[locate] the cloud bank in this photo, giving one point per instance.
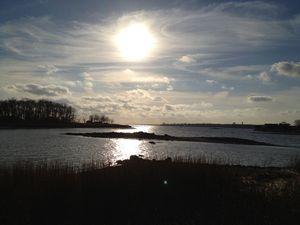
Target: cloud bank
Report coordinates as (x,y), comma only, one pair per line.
(290,69)
(40,90)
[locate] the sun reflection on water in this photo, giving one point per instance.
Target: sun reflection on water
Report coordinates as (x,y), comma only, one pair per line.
(124,148)
(120,149)
(136,128)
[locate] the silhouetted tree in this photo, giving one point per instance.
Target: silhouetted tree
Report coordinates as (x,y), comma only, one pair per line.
(297,122)
(105,119)
(95,118)
(31,110)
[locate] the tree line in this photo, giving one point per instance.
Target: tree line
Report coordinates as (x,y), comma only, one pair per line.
(95,118)
(31,110)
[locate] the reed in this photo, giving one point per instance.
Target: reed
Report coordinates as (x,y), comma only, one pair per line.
(138,191)
(295,163)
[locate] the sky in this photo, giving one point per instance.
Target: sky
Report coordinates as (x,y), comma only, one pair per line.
(208,61)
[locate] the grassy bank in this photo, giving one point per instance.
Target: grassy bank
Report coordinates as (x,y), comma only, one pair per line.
(182,191)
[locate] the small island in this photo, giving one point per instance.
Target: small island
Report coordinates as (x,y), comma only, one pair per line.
(152,136)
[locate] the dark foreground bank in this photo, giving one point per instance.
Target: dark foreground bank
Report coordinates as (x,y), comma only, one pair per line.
(148,192)
(152,136)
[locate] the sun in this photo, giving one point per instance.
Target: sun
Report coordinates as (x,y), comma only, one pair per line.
(135,42)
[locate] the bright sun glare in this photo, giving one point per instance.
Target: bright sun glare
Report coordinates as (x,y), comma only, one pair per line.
(135,42)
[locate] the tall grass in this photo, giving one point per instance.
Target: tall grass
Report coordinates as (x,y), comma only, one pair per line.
(295,163)
(178,191)
(202,159)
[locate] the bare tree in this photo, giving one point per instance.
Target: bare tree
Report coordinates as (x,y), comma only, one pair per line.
(100,119)
(30,110)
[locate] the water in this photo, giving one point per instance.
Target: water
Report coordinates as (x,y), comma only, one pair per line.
(53,145)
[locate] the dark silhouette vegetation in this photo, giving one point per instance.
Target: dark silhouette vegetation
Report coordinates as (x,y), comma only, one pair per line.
(295,163)
(213,125)
(151,136)
(95,118)
(282,128)
(30,110)
(29,113)
(137,191)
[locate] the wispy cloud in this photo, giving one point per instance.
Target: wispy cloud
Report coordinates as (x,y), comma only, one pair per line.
(211,81)
(187,59)
(260,8)
(48,69)
(206,62)
(131,76)
(233,72)
(264,77)
(222,27)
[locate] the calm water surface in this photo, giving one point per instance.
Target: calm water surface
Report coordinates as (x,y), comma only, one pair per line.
(52,144)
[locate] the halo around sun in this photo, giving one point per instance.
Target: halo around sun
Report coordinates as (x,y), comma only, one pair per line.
(135,42)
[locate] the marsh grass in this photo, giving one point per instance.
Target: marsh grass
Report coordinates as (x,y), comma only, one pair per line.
(202,159)
(137,191)
(295,163)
